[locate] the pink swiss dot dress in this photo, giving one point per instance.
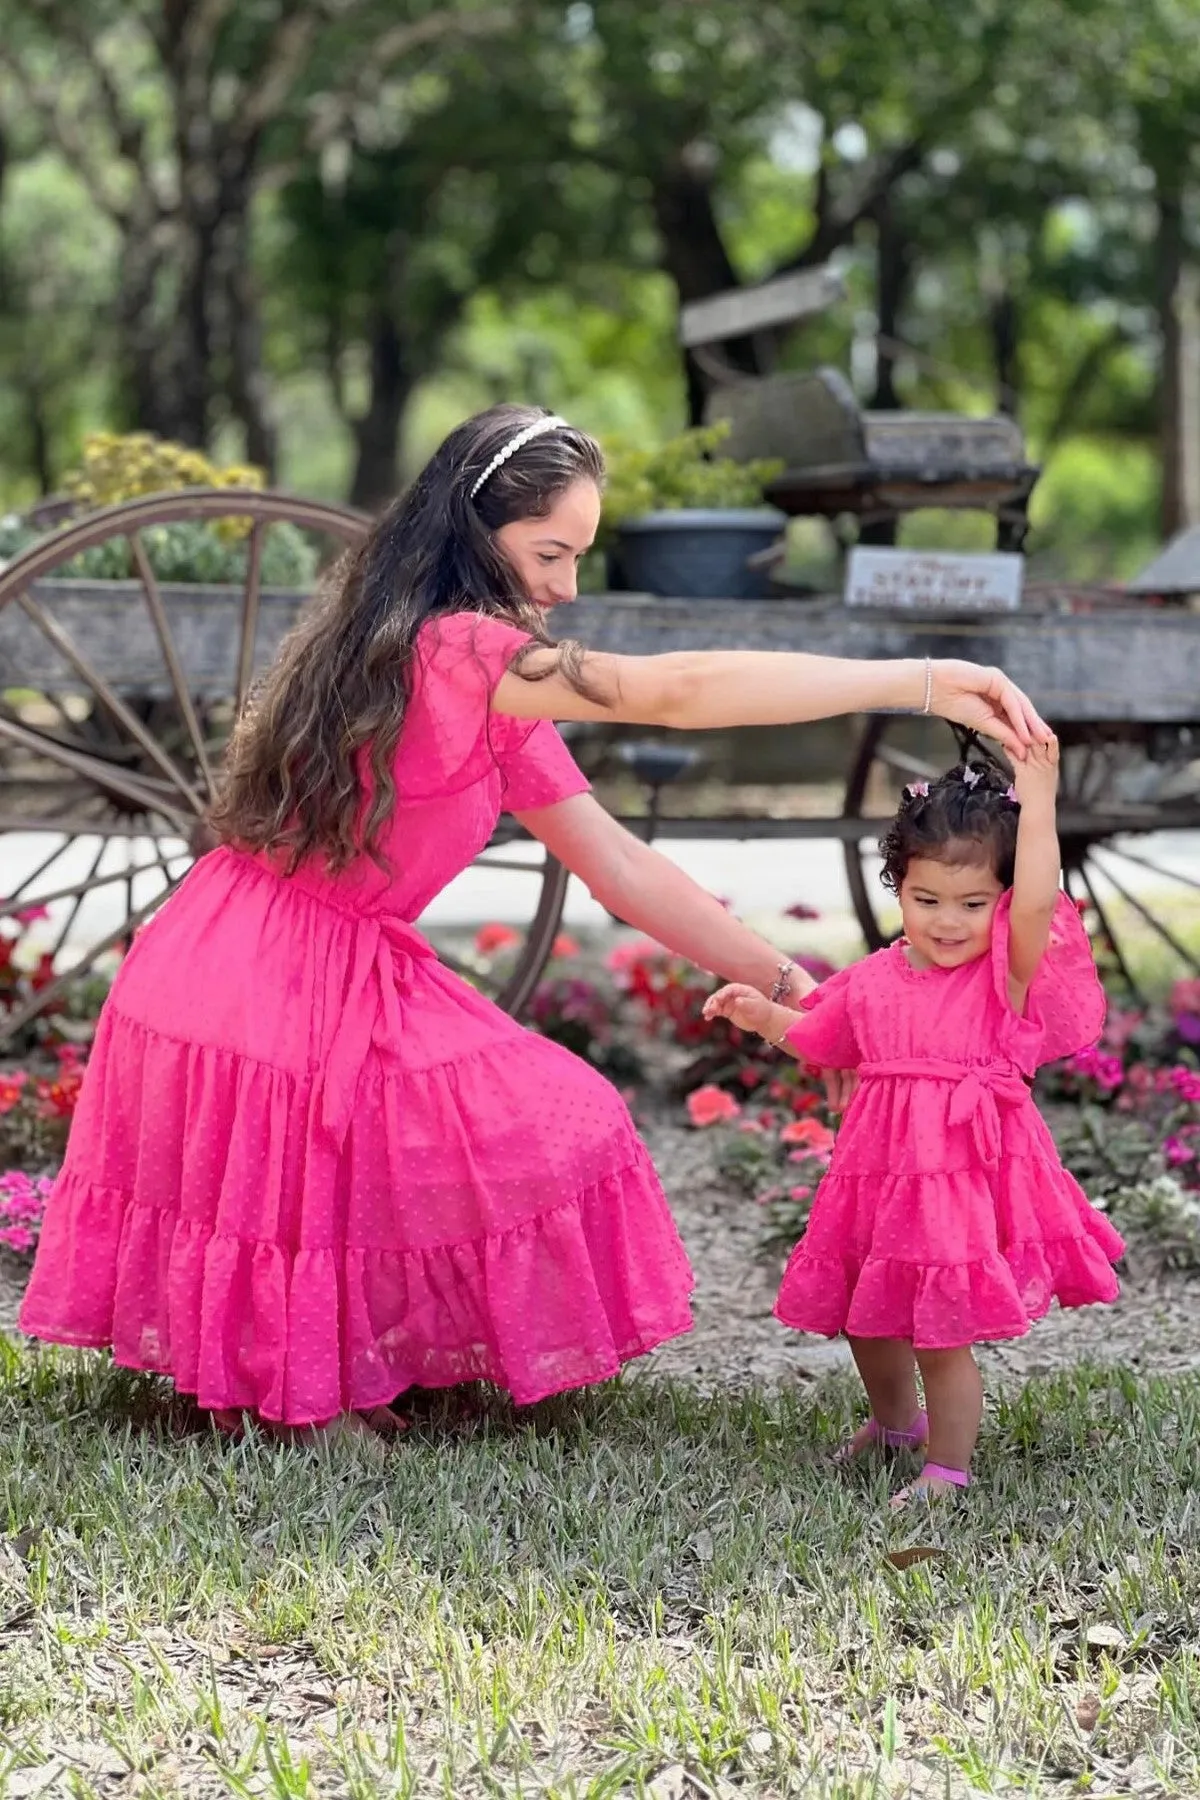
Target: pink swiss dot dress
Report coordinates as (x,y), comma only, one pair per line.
(312,1167)
(946,1216)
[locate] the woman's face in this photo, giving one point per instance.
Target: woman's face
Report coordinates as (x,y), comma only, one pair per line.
(546,552)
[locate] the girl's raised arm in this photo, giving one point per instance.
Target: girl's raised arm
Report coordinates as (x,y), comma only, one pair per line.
(1038,865)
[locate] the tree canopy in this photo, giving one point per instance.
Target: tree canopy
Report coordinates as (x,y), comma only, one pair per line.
(317,231)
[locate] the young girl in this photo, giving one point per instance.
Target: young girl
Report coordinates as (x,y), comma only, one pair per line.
(946,1218)
(311,1167)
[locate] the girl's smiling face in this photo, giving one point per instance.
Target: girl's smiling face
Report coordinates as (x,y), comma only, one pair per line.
(947,909)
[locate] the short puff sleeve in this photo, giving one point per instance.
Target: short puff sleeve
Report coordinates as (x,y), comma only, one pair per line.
(825,1036)
(1065,1003)
(463,656)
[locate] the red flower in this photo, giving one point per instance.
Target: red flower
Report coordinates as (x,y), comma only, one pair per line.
(564,945)
(490,939)
(749,1076)
(711,1106)
(43,975)
(11,1087)
(815,1137)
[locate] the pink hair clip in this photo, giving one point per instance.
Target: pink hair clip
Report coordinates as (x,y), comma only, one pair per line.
(1010,794)
(972,777)
(917,789)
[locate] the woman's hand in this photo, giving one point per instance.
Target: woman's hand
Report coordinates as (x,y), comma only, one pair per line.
(986,701)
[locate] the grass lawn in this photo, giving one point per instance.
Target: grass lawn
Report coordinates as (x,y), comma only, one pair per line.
(633,1592)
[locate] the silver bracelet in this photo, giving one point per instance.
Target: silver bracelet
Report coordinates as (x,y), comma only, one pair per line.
(928,706)
(782,982)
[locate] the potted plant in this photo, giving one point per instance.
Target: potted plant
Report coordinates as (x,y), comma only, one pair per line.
(685,522)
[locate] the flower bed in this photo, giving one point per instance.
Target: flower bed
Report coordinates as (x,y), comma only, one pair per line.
(1126,1114)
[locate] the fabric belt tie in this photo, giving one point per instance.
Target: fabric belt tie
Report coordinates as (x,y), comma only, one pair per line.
(386,949)
(979,1093)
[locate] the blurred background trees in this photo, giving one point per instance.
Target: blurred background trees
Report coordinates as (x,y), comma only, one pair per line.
(314,233)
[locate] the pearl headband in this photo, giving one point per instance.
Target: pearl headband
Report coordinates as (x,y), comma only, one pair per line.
(538,429)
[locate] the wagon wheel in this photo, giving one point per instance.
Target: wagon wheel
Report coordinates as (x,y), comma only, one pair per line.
(1119,783)
(117,698)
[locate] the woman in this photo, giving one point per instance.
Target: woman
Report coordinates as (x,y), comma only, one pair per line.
(310,1166)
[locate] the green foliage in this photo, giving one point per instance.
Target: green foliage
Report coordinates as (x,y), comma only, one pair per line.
(195,551)
(683,472)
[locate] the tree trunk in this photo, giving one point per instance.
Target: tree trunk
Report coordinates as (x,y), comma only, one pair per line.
(39,437)
(893,274)
(694,255)
(1178,296)
(377,432)
(240,319)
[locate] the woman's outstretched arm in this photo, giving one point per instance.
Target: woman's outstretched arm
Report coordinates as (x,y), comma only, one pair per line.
(649,892)
(710,689)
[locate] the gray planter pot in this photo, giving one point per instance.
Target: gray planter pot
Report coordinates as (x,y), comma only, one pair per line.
(695,555)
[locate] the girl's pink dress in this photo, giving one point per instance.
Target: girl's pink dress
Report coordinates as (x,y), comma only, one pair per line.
(946,1217)
(312,1167)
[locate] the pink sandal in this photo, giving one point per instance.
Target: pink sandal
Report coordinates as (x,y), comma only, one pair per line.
(886,1437)
(920,1490)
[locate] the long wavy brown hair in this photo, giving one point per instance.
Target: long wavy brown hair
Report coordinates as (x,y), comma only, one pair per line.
(343,676)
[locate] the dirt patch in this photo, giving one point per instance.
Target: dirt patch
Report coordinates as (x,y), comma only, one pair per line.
(1154,1328)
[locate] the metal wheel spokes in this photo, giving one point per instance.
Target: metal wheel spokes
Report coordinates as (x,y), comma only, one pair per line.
(512,882)
(118,697)
(1116,784)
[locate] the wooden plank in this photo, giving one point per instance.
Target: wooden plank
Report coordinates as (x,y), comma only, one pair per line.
(1140,664)
(739,311)
(1137,664)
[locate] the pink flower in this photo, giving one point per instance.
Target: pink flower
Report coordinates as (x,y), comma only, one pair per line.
(800,1193)
(711,1106)
(749,1076)
(753,1127)
(490,939)
(816,1138)
(22,1206)
(30,915)
(1185,1081)
(623,958)
(1177,1150)
(564,945)
(1108,1072)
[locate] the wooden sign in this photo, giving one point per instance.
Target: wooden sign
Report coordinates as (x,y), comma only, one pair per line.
(920,581)
(740,311)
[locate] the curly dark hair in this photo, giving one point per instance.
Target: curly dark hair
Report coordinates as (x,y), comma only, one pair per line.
(342,677)
(967,815)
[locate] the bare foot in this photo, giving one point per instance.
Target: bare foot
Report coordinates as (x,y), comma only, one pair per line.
(374,1422)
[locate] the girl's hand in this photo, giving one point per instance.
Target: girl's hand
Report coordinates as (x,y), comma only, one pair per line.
(1037,777)
(743,1006)
(985,700)
(841,1085)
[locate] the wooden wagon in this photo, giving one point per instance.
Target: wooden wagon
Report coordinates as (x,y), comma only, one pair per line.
(116,697)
